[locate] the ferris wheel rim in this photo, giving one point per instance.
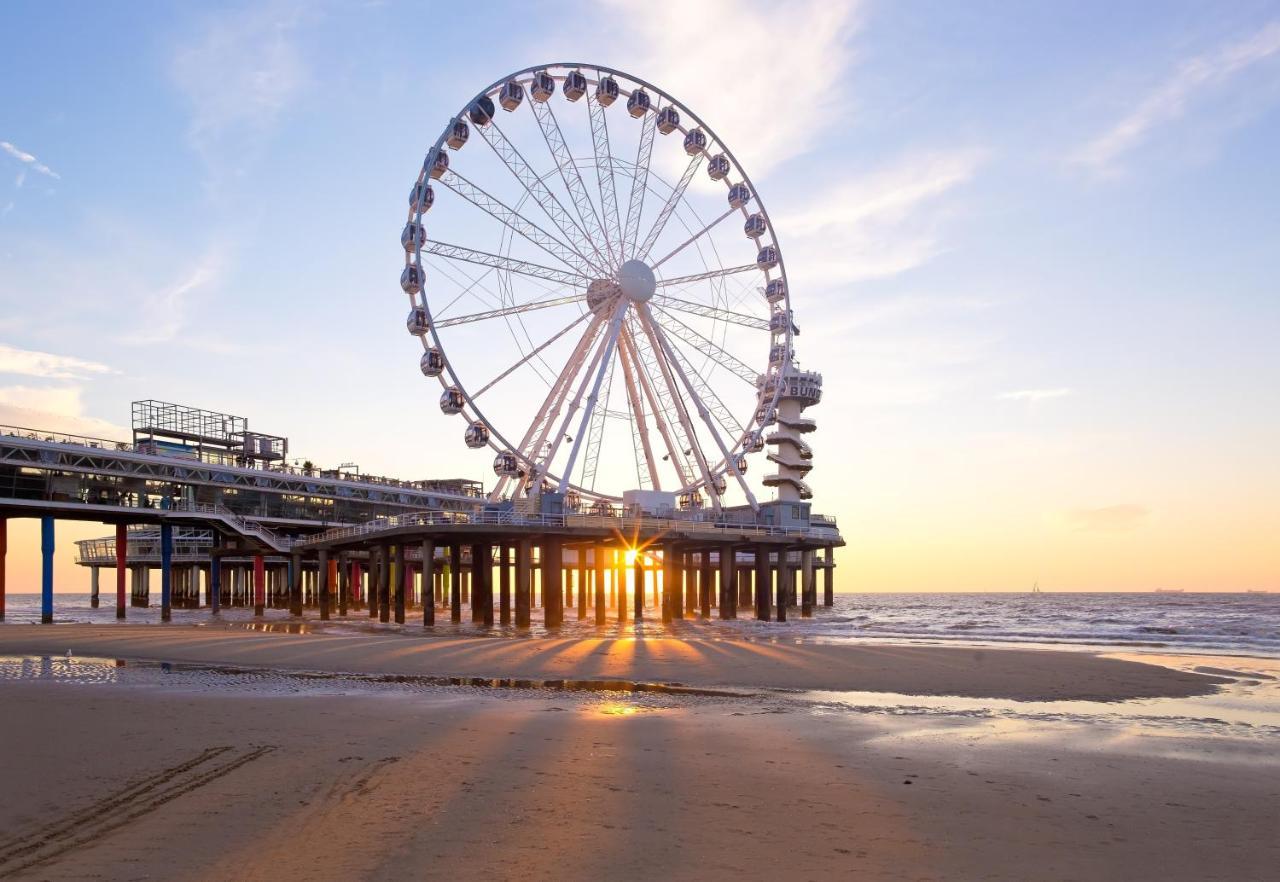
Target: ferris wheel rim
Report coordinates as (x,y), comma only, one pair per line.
(473,413)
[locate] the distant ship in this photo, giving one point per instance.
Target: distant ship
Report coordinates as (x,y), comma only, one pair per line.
(1170,590)
(1035,589)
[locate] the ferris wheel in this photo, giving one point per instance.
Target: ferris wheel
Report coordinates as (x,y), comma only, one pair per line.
(599,290)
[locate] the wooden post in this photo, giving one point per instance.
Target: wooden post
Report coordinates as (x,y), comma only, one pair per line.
(403,582)
(259,585)
(828,579)
(582,582)
(455,583)
(705,578)
(325,576)
(344,583)
(638,588)
(620,583)
(215,581)
(808,587)
(597,579)
(763,583)
(504,584)
(728,582)
(524,550)
(384,583)
(295,585)
(482,581)
(670,579)
(428,582)
(552,581)
(785,583)
(371,596)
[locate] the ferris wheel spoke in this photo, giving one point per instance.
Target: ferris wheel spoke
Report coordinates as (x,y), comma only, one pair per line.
(646,370)
(586,209)
(536,435)
(517,222)
(606,360)
(694,238)
(533,352)
(706,346)
(703,413)
(506,264)
(464,290)
(639,181)
(595,433)
(604,176)
(708,275)
(733,429)
(532,183)
(682,414)
(669,206)
(598,363)
(639,431)
(510,310)
(669,303)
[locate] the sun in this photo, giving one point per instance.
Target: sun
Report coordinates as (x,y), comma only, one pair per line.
(631,556)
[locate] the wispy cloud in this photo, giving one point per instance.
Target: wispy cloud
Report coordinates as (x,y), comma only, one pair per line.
(166,309)
(1169,101)
(30,160)
(1032,396)
(53,409)
(238,74)
(710,54)
(1109,518)
(32,363)
(876,225)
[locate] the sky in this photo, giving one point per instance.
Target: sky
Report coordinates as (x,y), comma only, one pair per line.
(1033,249)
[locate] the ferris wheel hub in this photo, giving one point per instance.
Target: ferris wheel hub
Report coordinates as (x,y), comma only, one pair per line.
(637,281)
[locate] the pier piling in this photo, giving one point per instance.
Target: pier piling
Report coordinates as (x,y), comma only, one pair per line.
(428,582)
(166,572)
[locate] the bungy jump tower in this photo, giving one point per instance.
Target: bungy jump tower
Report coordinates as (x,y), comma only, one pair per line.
(601,297)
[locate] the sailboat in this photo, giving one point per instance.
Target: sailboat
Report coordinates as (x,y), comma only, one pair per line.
(1035,589)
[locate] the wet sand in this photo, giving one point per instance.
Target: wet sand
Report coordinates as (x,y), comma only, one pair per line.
(151,772)
(1029,675)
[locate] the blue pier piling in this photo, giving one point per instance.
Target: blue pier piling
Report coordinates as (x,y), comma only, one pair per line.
(166,572)
(46,576)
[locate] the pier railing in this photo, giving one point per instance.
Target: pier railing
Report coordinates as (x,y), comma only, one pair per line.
(624,524)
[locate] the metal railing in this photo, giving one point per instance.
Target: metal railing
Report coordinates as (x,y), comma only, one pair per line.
(244,525)
(623,524)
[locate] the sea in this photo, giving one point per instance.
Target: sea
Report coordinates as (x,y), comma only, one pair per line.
(1203,623)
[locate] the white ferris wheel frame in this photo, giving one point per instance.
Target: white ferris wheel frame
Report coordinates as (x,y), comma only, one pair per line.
(625,334)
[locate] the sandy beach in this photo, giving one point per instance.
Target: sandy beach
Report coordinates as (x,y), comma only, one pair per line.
(197,772)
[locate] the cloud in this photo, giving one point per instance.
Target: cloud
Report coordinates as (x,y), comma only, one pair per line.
(875,225)
(1108,519)
(47,365)
(1032,396)
(240,72)
(166,309)
(738,63)
(53,409)
(25,157)
(1169,101)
